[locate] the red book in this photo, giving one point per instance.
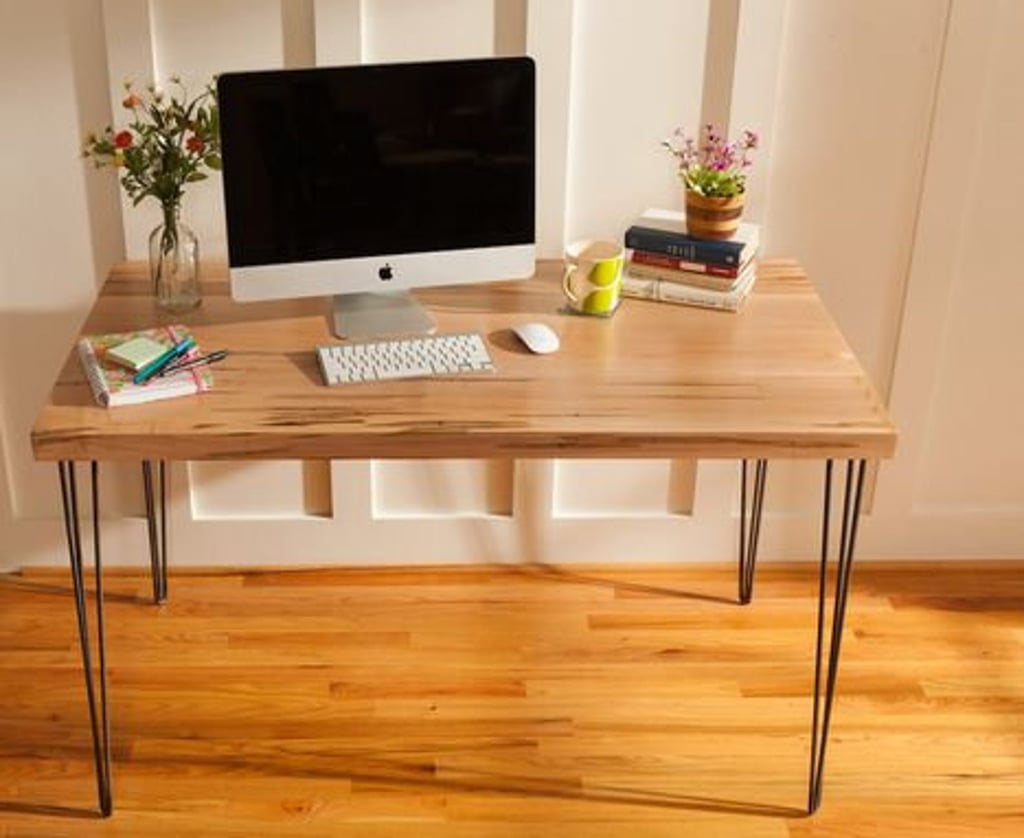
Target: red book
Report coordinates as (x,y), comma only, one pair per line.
(659,260)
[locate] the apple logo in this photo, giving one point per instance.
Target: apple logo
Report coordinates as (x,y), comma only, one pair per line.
(385,273)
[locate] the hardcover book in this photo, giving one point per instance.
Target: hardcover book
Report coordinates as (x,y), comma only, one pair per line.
(660,260)
(664,232)
(645,288)
(692,278)
(112,383)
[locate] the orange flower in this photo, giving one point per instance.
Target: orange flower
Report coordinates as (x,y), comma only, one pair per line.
(195,145)
(131,101)
(123,139)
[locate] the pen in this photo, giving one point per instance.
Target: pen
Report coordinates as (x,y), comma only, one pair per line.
(152,368)
(202,361)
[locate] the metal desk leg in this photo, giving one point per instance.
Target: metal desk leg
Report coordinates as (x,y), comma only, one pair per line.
(822,716)
(749,537)
(157,527)
(98,718)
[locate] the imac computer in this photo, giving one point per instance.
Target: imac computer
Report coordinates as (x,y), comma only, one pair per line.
(366,181)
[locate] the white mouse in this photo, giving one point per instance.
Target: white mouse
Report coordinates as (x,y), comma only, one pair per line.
(537,337)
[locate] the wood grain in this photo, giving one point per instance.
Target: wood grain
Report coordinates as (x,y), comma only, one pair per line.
(775,380)
(518,701)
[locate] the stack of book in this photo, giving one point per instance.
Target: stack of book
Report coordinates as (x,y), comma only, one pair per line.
(669,265)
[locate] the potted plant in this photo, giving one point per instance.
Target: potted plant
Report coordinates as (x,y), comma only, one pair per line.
(714,175)
(172,140)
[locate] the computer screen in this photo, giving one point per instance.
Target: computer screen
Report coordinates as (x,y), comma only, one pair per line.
(378,178)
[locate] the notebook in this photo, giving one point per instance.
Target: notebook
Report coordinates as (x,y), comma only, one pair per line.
(111,382)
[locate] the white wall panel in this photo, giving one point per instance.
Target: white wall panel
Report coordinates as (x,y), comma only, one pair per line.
(854,111)
(411,30)
(198,39)
(453,488)
(636,75)
(973,447)
(845,160)
(951,490)
(549,41)
(623,488)
(338,26)
(274,490)
(130,58)
(59,220)
(753,102)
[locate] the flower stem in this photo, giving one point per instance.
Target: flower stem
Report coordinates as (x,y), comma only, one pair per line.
(169,236)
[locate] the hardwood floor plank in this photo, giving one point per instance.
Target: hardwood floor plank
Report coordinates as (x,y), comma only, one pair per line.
(522,701)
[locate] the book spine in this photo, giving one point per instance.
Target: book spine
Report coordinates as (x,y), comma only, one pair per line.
(695,280)
(719,304)
(706,251)
(659,260)
(94,373)
(655,289)
(641,289)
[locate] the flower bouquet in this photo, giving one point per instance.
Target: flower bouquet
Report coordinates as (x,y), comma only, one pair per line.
(172,139)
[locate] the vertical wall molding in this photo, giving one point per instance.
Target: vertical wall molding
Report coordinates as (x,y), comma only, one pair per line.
(298,33)
(939,237)
(509,27)
(338,32)
(549,39)
(754,100)
(131,55)
(720,55)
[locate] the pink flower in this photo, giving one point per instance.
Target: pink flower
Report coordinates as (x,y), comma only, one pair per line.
(709,163)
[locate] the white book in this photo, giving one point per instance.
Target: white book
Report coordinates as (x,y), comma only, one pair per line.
(648,288)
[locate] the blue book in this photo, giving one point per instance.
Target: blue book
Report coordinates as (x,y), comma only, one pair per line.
(664,232)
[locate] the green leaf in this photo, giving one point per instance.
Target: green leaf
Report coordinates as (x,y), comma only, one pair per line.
(192,178)
(213,161)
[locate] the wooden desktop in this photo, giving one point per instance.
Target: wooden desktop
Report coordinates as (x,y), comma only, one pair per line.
(776,380)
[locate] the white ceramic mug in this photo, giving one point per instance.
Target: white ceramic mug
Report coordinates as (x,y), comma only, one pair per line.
(592,277)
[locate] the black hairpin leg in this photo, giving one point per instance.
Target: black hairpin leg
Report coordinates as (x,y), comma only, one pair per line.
(95,688)
(749,535)
(157,526)
(822,715)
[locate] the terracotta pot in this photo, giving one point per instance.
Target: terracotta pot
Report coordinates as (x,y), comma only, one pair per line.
(713,218)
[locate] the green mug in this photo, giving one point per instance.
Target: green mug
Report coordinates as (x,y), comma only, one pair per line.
(592,278)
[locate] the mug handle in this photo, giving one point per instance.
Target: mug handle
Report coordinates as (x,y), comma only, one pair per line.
(570,269)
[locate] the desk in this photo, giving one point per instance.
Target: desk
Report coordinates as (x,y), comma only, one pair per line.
(776,380)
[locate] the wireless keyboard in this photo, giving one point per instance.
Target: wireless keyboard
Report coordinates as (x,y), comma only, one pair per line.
(386,360)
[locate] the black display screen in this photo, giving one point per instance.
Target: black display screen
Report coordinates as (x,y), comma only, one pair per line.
(346,162)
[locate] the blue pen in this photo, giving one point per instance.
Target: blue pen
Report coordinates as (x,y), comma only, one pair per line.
(153,367)
(192,363)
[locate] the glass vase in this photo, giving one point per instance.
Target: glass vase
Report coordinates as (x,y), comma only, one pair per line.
(174,264)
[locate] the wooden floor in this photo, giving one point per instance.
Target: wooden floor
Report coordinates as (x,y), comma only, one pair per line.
(518,702)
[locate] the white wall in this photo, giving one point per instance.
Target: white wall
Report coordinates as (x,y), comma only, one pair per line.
(887,169)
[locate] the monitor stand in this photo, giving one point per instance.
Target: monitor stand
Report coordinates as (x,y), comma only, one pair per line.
(365,316)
